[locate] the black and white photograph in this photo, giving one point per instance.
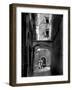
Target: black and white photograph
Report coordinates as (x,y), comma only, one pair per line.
(40,44)
(42,37)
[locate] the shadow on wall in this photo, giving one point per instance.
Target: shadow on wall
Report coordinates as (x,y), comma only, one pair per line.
(57,53)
